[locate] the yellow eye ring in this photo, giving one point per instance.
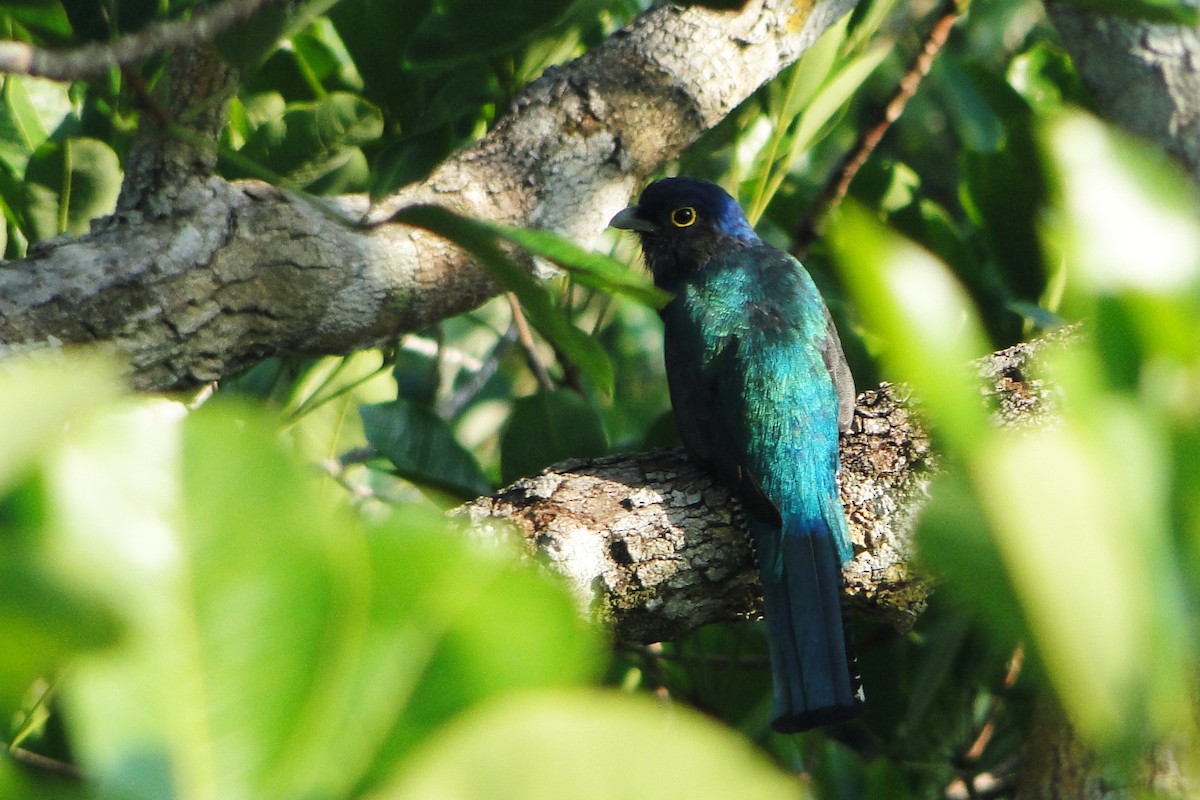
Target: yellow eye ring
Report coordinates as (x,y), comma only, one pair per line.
(683,217)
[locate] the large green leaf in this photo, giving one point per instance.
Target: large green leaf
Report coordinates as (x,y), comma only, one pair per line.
(68,184)
(585,745)
(422,448)
(478,625)
(548,427)
(278,649)
(480,240)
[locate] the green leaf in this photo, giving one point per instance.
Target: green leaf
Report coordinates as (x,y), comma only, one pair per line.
(31,109)
(245,45)
(46,393)
(477,623)
(1127,214)
(1165,11)
(583,745)
(589,267)
(46,621)
(314,139)
(422,448)
(453,33)
(1079,516)
(1004,195)
(546,428)
(480,240)
(22,783)
(68,184)
(834,94)
(913,303)
(278,649)
(976,122)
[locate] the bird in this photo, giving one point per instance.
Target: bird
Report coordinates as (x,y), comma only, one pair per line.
(761,391)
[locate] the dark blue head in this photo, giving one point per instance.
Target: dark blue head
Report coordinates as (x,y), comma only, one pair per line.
(682,223)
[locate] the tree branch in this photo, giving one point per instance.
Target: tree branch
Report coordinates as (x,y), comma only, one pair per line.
(232,273)
(93,59)
(1143,75)
(654,545)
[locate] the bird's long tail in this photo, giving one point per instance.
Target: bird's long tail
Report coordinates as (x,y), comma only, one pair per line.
(815,675)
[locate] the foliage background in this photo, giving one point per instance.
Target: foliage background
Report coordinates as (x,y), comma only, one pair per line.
(189,611)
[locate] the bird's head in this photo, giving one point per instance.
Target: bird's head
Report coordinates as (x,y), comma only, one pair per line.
(682,223)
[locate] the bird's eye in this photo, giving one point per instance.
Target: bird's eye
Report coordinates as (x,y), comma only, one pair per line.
(683,217)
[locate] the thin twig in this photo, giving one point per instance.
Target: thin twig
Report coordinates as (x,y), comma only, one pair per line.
(525,337)
(19,58)
(43,763)
(459,399)
(835,189)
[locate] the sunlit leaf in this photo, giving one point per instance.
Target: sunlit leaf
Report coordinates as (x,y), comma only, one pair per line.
(1088,563)
(923,316)
(45,393)
(1129,216)
(587,745)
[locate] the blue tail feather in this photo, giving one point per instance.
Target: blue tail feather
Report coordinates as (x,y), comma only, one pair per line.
(816,678)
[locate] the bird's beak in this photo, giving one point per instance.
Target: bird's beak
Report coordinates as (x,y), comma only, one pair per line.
(628,219)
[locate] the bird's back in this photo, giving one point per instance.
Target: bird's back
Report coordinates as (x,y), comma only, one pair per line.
(764,400)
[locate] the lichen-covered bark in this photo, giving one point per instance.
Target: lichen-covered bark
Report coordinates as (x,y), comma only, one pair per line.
(654,545)
(195,278)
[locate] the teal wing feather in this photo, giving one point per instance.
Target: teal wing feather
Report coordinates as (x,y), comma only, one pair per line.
(764,409)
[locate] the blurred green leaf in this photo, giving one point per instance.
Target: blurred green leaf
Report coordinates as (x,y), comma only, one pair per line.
(978,125)
(480,240)
(1128,219)
(485,625)
(19,783)
(1089,565)
(68,184)
(587,745)
(1003,195)
(41,395)
(1045,77)
(46,621)
(422,448)
(930,330)
(548,427)
(277,649)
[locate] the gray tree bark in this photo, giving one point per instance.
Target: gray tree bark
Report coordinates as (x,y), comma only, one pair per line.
(1143,76)
(201,277)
